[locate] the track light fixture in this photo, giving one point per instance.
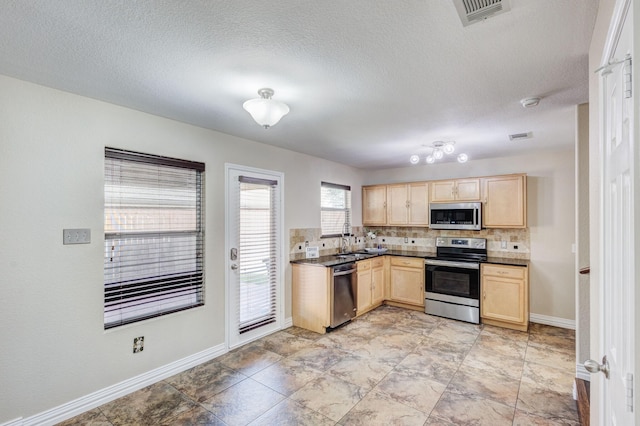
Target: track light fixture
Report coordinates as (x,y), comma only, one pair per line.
(438,150)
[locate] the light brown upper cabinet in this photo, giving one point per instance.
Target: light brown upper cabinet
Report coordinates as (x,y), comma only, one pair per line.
(374,205)
(446,191)
(408,204)
(505,201)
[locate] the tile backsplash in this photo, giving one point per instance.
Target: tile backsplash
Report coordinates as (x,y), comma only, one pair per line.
(410,239)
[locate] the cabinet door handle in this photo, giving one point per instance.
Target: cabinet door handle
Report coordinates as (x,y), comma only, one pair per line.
(484,295)
(502,272)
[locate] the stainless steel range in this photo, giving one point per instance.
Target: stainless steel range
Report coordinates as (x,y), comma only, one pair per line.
(452,279)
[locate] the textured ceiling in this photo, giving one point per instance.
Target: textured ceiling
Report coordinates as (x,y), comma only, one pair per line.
(369,82)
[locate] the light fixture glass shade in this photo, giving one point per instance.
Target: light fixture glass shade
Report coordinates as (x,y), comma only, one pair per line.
(448,148)
(264,110)
(439,150)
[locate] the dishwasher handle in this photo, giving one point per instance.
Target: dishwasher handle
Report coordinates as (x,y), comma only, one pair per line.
(340,273)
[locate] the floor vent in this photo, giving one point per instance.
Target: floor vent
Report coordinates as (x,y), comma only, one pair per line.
(520,136)
(472,11)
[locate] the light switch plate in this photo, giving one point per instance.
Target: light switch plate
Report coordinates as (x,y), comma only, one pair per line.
(76,236)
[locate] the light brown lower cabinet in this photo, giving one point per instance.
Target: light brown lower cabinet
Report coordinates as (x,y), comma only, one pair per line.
(311,297)
(370,276)
(377,281)
(407,280)
(398,281)
(505,296)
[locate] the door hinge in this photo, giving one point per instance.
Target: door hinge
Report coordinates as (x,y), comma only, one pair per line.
(626,73)
(629,392)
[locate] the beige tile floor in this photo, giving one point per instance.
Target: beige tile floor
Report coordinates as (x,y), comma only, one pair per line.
(390,366)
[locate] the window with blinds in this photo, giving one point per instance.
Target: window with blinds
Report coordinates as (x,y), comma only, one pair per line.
(154,236)
(257,253)
(335,209)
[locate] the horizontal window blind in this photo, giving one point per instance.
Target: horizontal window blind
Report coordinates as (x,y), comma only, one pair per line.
(154,236)
(335,209)
(257,253)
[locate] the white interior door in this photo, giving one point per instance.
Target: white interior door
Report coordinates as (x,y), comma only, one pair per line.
(254,274)
(617,269)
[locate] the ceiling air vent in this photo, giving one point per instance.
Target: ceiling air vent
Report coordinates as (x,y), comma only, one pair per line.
(520,136)
(472,11)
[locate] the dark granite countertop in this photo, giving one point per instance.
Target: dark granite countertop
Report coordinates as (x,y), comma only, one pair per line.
(333,260)
(507,261)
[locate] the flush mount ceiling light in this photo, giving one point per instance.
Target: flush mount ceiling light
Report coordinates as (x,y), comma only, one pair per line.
(439,150)
(530,102)
(264,110)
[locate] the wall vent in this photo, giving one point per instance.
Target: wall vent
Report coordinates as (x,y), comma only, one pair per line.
(472,11)
(520,136)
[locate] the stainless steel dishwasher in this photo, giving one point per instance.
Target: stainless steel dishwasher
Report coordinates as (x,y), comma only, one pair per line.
(343,305)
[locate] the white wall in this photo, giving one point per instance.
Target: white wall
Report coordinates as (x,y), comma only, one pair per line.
(550,190)
(582,231)
(53,348)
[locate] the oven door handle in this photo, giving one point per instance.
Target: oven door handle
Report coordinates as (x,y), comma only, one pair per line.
(340,273)
(448,263)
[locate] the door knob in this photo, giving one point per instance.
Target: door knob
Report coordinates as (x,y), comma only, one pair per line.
(234,266)
(593,366)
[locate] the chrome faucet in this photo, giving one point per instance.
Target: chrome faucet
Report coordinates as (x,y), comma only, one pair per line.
(346,239)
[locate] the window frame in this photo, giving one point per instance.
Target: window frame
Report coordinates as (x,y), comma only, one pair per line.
(127,287)
(347,209)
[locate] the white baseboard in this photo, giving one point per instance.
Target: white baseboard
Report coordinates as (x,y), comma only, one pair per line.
(582,373)
(108,394)
(553,321)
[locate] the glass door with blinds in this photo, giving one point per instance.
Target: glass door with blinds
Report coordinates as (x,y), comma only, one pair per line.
(253,253)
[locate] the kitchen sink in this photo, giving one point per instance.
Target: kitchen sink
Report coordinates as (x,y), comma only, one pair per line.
(354,256)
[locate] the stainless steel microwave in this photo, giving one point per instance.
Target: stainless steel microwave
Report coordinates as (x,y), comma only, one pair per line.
(456,216)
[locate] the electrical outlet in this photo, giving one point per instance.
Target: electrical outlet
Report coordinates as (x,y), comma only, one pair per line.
(138,344)
(515,247)
(503,245)
(406,239)
(76,236)
(306,244)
